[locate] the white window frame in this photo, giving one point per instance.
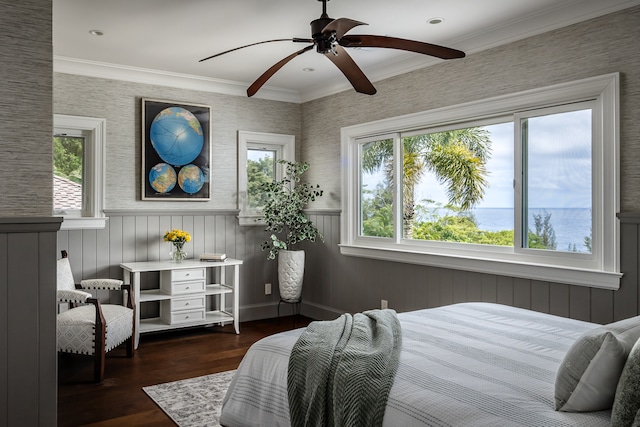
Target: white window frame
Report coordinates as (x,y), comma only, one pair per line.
(94,130)
(602,270)
(285,148)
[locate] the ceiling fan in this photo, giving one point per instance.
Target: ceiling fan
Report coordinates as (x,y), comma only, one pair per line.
(329,38)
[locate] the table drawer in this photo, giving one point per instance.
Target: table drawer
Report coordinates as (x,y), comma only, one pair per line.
(186,288)
(188,274)
(184,316)
(190,303)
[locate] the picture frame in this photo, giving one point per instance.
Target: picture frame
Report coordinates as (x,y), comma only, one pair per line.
(176,151)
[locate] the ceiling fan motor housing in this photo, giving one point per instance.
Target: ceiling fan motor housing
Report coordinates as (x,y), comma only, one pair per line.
(324,42)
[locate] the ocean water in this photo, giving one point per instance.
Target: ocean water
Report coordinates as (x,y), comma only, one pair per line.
(571,225)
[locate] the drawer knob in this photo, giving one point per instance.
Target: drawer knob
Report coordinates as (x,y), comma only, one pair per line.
(187,304)
(187,317)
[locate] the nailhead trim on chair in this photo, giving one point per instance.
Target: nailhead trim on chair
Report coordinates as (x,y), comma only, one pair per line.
(72,296)
(110,284)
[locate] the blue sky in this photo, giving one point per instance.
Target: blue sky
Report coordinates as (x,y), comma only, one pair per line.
(559,164)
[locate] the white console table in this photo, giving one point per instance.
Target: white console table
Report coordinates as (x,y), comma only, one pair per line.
(183,292)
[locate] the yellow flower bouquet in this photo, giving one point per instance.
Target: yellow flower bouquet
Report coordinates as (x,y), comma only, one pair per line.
(178,238)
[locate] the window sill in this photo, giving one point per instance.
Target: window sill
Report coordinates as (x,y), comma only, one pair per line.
(83,223)
(250,220)
(549,273)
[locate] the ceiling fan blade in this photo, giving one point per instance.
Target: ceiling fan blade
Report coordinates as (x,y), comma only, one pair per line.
(341,26)
(271,71)
(351,71)
(361,40)
(295,40)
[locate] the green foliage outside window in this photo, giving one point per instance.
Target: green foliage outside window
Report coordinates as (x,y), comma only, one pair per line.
(259,172)
(458,158)
(67,157)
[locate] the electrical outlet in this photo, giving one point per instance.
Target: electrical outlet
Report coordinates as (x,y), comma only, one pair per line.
(384,304)
(267,288)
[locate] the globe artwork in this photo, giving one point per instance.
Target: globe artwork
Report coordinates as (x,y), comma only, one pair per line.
(176,135)
(191,179)
(162,178)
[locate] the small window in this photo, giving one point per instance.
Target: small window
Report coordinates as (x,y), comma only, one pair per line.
(258,156)
(78,171)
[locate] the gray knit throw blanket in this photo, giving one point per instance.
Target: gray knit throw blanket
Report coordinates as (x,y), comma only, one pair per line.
(341,371)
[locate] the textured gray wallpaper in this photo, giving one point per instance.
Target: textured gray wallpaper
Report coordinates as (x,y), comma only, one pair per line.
(600,46)
(120,103)
(25,109)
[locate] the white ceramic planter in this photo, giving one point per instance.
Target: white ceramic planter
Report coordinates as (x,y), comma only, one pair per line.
(290,274)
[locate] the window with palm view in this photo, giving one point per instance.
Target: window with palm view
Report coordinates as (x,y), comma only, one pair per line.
(523,184)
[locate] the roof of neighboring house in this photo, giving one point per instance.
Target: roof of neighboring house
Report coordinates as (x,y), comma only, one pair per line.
(66,194)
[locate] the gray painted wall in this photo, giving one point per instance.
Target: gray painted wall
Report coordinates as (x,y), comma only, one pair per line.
(27,232)
(334,283)
(26,108)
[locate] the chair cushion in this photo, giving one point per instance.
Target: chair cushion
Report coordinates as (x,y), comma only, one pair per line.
(76,328)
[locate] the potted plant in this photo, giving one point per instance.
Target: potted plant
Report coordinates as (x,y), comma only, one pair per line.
(288,225)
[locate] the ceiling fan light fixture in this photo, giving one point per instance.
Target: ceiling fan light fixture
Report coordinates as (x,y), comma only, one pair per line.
(329,36)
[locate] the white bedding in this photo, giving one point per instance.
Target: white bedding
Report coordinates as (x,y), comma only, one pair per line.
(471,364)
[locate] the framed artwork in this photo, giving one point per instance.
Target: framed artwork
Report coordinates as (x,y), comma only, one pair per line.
(176,151)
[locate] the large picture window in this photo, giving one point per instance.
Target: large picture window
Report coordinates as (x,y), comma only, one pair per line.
(524,185)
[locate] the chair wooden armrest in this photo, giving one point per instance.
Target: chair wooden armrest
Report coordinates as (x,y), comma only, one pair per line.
(130,298)
(101,332)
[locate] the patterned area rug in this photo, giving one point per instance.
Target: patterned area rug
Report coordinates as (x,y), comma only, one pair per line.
(194,402)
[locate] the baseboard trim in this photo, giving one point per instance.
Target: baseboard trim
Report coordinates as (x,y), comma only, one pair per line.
(269,310)
(319,312)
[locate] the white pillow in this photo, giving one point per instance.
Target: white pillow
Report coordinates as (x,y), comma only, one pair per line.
(589,374)
(626,406)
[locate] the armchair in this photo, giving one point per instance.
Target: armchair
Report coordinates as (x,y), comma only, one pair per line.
(89,327)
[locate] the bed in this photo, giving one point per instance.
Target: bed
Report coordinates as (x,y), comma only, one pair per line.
(469,364)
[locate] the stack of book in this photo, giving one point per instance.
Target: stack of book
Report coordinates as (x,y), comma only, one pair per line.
(213,257)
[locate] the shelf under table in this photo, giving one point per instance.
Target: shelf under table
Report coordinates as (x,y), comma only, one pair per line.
(156,324)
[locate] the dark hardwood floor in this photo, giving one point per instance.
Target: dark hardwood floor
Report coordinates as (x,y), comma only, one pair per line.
(163,357)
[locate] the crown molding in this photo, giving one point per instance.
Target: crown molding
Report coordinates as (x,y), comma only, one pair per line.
(66,65)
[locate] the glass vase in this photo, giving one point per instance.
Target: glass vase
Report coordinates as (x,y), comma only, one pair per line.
(178,254)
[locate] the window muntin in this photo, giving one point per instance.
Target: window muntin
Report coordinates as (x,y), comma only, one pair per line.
(601,268)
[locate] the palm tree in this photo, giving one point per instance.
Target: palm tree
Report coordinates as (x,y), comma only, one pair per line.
(457,158)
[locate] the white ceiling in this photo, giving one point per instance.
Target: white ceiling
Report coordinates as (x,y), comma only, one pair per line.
(162,41)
